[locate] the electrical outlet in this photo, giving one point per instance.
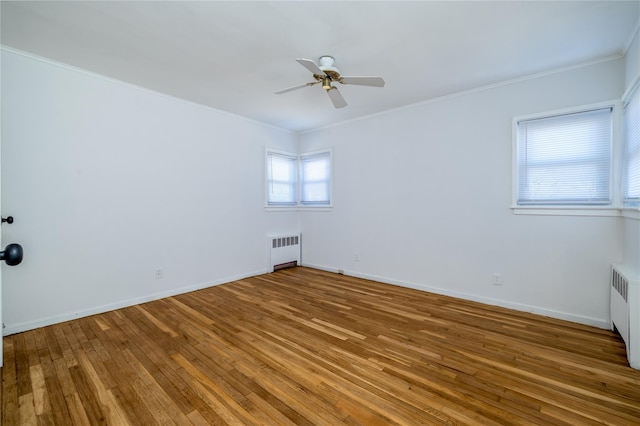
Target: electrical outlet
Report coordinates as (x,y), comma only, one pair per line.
(159,274)
(497,279)
(356,257)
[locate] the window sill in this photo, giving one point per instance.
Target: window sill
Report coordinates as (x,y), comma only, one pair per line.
(626,212)
(567,211)
(630,212)
(298,208)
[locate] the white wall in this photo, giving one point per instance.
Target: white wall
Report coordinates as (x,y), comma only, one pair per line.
(632,61)
(631,232)
(108,182)
(423,196)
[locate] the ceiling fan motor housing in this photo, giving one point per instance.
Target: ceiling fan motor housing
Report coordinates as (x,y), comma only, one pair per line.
(325,63)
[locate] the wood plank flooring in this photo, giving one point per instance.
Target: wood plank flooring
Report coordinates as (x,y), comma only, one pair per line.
(305,347)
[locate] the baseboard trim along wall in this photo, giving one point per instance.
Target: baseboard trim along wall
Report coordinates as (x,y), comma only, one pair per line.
(44,322)
(595,322)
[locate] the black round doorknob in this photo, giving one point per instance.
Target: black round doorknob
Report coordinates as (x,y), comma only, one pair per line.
(8,219)
(12,254)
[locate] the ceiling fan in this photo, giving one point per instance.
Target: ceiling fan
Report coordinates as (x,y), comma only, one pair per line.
(326,73)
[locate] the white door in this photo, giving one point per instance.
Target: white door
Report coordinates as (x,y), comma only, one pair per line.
(11,255)
(1,320)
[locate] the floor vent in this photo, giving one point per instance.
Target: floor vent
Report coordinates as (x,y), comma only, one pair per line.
(625,315)
(284,251)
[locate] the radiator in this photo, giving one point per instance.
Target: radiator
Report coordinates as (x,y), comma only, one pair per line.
(625,311)
(284,251)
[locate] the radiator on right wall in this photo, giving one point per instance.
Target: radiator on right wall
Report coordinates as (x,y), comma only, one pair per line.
(625,310)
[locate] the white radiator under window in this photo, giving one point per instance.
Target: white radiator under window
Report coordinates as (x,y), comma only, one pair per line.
(625,311)
(284,251)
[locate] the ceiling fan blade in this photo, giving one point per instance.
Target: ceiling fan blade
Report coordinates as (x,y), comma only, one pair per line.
(363,81)
(300,86)
(310,65)
(336,98)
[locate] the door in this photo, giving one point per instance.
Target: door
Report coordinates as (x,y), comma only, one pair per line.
(12,256)
(1,319)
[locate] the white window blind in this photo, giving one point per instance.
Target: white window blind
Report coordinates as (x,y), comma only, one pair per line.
(565,159)
(631,167)
(298,180)
(315,179)
(281,179)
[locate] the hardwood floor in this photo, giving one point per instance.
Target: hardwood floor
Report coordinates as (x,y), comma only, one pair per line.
(305,347)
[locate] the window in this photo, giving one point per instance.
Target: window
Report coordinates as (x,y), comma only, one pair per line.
(631,159)
(564,159)
(303,180)
(281,179)
(315,179)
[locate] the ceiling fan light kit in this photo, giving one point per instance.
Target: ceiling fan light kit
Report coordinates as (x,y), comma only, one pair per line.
(325,72)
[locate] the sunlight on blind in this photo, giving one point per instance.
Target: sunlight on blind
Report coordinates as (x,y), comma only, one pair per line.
(565,159)
(281,172)
(315,177)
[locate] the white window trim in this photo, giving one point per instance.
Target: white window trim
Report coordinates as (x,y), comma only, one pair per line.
(615,208)
(298,206)
(308,155)
(266,176)
(631,212)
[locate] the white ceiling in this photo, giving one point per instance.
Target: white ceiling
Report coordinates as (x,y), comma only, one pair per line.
(234,55)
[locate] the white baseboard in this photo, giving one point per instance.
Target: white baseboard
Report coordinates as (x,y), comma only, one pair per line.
(595,322)
(44,322)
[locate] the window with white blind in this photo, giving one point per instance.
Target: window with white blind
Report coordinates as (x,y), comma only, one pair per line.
(298,180)
(631,156)
(315,179)
(565,159)
(282,177)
